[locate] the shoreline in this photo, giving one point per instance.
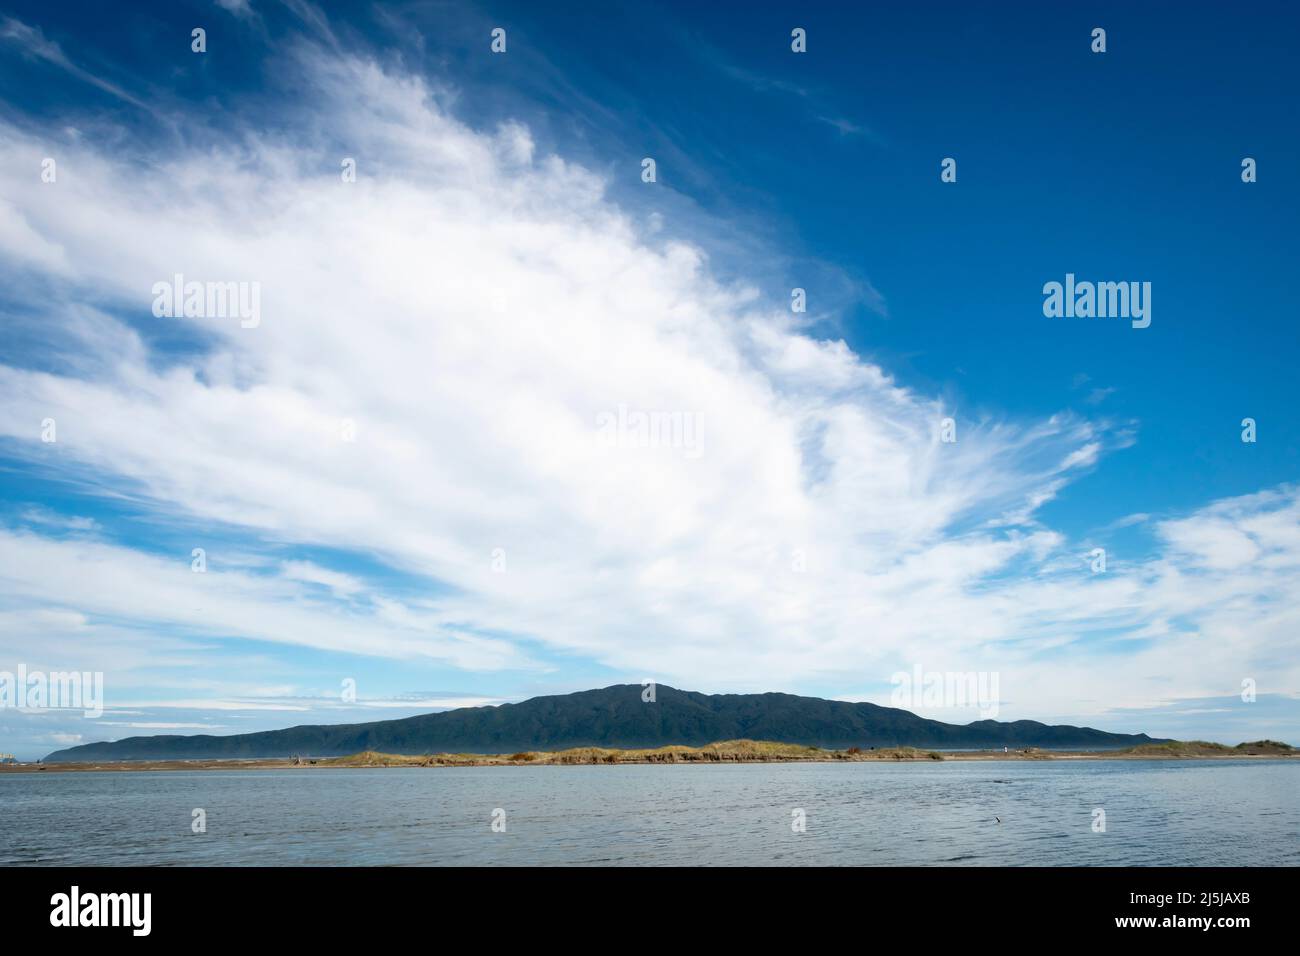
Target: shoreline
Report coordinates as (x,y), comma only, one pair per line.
(734,751)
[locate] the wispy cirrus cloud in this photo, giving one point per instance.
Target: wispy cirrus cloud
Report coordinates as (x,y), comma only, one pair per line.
(31,41)
(239,8)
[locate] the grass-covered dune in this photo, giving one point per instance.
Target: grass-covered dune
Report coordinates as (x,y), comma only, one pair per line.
(747,751)
(726,751)
(1203,748)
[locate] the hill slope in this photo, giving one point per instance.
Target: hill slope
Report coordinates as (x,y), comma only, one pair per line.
(615,717)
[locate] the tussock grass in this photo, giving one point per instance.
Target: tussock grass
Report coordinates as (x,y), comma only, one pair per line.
(1206,748)
(1264,747)
(725,751)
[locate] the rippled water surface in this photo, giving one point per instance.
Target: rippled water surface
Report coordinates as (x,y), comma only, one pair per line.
(1168,812)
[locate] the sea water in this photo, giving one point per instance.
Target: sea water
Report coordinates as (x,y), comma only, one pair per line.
(1198,813)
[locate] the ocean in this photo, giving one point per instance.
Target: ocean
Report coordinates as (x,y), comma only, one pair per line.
(1059,813)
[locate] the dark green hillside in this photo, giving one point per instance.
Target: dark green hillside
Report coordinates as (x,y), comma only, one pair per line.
(616,717)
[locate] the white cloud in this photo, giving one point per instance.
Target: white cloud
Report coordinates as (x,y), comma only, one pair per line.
(33,43)
(474,307)
(1082,457)
(239,8)
(162,725)
(53,588)
(343,585)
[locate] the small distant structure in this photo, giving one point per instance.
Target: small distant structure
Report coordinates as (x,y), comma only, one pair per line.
(8,758)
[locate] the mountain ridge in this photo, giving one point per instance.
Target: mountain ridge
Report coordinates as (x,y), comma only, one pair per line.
(614,717)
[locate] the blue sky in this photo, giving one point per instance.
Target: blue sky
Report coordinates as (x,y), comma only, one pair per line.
(500,277)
